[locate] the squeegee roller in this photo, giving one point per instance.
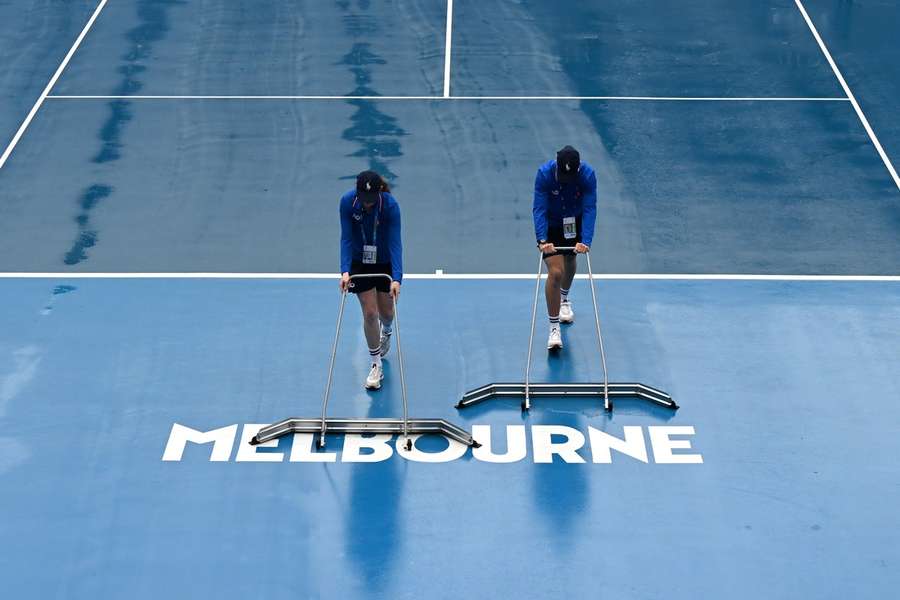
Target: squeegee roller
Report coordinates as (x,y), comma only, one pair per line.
(615,390)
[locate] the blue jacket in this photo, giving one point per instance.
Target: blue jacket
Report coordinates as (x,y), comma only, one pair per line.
(553,201)
(358,227)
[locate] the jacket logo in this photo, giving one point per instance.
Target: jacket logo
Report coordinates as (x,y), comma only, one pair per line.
(357,216)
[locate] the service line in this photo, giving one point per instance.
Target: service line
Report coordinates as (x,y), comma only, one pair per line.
(448,44)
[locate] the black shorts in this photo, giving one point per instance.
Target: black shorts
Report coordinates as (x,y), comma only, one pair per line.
(556,237)
(364,284)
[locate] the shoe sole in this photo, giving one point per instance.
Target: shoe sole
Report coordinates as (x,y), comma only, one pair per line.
(567,321)
(554,346)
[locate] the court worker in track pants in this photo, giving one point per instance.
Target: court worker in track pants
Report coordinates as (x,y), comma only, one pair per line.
(565,210)
(371,244)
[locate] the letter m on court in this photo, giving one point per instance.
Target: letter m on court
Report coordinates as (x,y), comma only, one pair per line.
(222,440)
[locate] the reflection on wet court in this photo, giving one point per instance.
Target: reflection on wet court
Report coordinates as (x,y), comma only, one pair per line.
(167,200)
(791,465)
(216,137)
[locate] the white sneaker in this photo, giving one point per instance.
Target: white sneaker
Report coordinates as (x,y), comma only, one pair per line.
(373,381)
(566,314)
(554,342)
(385,342)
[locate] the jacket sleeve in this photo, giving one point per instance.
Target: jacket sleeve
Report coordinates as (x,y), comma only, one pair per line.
(396,243)
(539,210)
(589,209)
(346,237)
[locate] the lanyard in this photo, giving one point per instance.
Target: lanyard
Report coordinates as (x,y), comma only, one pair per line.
(374,227)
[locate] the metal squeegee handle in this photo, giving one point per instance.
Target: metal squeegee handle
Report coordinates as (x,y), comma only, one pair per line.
(337,335)
(606,405)
(537,286)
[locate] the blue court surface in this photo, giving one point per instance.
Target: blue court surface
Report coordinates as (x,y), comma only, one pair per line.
(169,230)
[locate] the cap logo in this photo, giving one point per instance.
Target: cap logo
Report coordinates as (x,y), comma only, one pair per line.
(568,167)
(368,186)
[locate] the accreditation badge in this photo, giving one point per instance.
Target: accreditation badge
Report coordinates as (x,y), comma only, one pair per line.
(570,231)
(369,255)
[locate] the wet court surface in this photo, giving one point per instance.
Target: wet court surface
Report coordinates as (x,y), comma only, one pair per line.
(788,390)
(182,138)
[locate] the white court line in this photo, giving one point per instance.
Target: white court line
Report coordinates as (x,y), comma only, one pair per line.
(461,276)
(525,98)
(46,92)
(850,96)
(448,39)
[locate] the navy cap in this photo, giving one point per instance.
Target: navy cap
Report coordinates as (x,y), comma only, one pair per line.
(568,162)
(368,185)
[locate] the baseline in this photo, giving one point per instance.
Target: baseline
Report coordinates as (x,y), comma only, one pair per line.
(462,276)
(494,98)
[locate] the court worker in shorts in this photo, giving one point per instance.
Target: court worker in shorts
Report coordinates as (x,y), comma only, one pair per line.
(370,244)
(565,210)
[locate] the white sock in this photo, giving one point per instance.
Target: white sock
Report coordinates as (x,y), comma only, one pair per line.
(375,356)
(564,294)
(554,322)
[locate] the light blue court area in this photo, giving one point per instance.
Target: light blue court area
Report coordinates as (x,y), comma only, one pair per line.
(790,389)
(253,185)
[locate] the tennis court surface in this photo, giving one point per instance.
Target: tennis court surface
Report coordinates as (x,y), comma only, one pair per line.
(169,233)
